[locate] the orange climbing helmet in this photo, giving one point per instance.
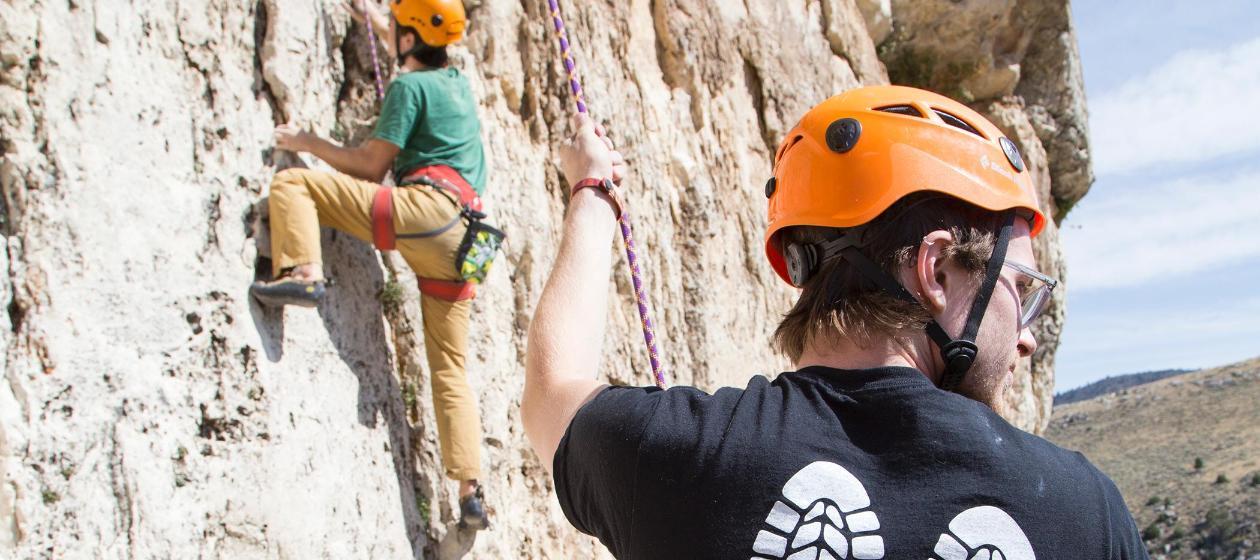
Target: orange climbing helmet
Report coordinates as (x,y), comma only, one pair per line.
(438,22)
(855,154)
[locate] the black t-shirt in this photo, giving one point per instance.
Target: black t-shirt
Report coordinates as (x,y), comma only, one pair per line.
(825,464)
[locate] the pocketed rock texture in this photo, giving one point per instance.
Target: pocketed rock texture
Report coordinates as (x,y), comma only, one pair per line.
(149,409)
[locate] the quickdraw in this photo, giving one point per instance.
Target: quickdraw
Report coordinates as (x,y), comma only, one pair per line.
(627,234)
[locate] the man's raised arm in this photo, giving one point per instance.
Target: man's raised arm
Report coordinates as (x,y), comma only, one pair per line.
(567,330)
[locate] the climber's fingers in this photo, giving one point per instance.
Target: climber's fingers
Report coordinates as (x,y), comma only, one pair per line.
(585,155)
(602,132)
(352,7)
(583,124)
(619,169)
(288,137)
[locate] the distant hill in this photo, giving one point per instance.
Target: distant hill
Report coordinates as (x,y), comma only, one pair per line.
(1113,384)
(1185,452)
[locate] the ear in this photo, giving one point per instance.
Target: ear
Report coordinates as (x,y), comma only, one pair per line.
(406,41)
(930,271)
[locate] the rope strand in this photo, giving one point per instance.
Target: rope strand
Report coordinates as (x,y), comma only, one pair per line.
(627,233)
(376,63)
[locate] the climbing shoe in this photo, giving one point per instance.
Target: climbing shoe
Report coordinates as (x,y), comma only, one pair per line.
(472,514)
(288,291)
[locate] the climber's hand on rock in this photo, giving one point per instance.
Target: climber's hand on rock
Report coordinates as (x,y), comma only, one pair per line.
(352,7)
(355,8)
(589,153)
(290,137)
(380,14)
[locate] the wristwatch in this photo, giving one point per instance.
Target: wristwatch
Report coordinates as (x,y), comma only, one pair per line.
(605,185)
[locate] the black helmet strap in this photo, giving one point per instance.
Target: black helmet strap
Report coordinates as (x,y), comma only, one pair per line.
(960,353)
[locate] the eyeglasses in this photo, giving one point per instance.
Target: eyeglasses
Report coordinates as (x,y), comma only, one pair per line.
(1034,295)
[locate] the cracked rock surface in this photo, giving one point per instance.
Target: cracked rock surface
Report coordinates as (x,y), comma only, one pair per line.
(149,409)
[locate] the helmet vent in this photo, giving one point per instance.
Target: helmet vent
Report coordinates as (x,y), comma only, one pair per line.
(956,122)
(907,110)
(787,146)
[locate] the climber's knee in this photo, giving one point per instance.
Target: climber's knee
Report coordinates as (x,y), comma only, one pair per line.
(289,180)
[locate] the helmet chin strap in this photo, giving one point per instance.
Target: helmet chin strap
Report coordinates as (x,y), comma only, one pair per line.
(957,353)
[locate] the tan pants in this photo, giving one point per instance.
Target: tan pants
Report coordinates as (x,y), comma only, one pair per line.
(303,200)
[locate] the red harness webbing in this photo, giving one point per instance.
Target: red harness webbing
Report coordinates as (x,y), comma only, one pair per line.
(383,218)
(447,290)
(385,238)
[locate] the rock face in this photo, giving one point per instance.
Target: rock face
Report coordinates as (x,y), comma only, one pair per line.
(149,409)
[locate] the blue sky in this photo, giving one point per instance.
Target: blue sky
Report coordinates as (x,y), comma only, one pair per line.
(1164,252)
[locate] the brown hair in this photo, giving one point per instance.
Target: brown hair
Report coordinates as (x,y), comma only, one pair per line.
(838,302)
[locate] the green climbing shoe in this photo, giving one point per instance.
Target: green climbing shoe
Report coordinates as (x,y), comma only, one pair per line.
(287,291)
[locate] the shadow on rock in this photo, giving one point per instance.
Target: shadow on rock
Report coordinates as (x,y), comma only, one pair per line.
(268,321)
(457,542)
(352,314)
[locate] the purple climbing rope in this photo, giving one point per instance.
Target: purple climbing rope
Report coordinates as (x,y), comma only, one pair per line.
(376,63)
(627,234)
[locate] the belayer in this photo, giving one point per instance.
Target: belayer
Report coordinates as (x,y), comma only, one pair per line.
(906,220)
(428,133)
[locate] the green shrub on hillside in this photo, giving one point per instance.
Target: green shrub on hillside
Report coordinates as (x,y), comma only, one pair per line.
(1221,535)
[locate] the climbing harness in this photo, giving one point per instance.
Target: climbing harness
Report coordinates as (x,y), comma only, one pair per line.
(627,234)
(439,177)
(481,241)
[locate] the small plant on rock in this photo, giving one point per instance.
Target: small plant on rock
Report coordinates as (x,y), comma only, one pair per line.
(391,295)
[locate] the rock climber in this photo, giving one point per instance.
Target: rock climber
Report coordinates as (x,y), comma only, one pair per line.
(904,218)
(429,134)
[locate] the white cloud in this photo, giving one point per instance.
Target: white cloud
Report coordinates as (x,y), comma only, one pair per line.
(1198,106)
(1130,236)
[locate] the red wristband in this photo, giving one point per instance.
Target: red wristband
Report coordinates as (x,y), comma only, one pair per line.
(604,185)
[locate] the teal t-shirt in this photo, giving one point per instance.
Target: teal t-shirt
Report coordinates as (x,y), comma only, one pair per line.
(431,116)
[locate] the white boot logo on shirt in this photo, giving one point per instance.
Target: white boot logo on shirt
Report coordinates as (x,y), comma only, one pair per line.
(983,533)
(822,516)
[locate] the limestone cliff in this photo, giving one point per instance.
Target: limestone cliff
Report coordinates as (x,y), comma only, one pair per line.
(149,409)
